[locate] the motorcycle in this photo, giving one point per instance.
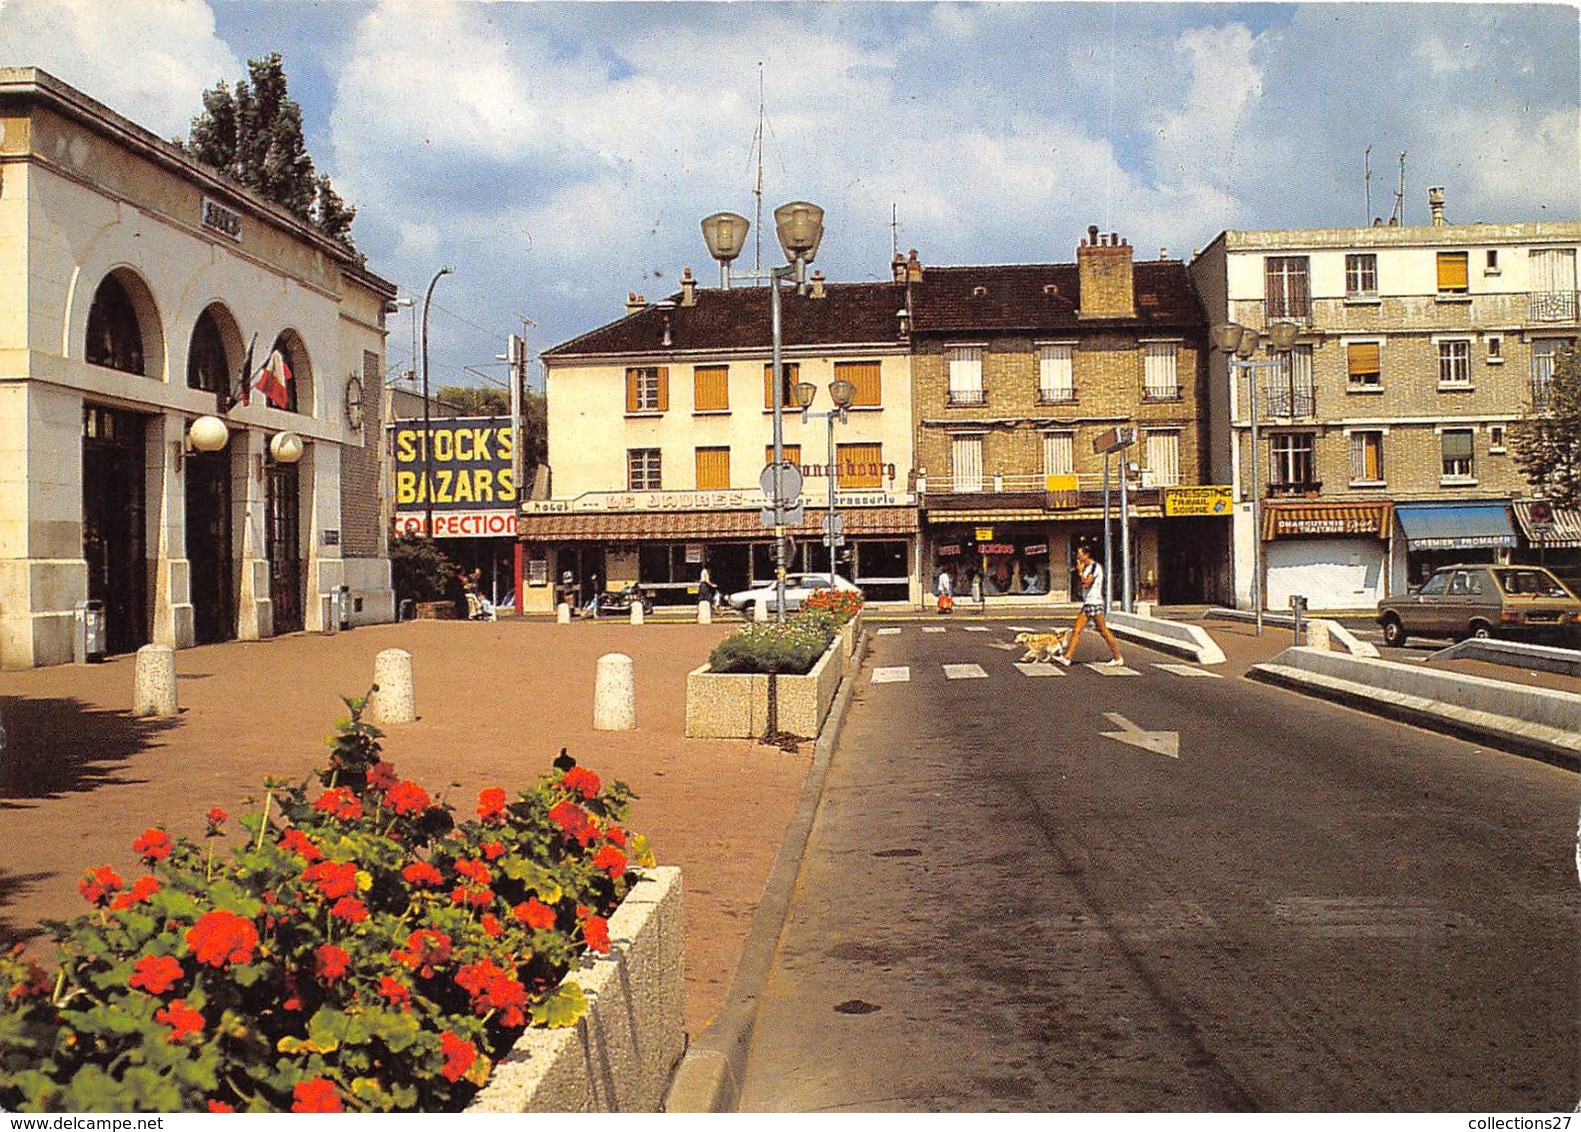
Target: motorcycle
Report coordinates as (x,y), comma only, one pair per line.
(621,601)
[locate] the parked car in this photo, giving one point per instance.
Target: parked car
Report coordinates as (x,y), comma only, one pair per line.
(798,587)
(1484,601)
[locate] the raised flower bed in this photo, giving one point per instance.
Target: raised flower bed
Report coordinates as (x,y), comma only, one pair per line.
(361,949)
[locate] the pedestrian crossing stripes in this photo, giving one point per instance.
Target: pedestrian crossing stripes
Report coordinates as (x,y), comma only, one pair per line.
(933,628)
(964,672)
(890,632)
(978,629)
(1040,670)
(895,674)
(901,673)
(1188,670)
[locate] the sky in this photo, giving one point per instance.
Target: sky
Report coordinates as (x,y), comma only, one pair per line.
(560,155)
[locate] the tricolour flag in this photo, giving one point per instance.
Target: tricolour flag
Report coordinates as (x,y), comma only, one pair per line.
(273,381)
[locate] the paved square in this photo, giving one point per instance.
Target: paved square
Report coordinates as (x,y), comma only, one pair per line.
(897,674)
(964,672)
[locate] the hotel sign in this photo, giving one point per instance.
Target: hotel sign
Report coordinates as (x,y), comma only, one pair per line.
(743,499)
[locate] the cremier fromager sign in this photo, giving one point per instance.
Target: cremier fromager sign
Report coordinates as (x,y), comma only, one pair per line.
(472,491)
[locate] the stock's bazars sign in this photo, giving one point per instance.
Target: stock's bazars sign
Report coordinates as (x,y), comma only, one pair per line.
(472,487)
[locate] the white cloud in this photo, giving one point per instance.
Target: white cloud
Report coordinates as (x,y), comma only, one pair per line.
(149,61)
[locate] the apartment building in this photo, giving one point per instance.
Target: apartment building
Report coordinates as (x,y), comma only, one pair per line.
(1383,436)
(1022,373)
(660,428)
(142,294)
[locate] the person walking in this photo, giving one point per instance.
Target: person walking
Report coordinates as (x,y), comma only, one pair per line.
(946,591)
(1091,609)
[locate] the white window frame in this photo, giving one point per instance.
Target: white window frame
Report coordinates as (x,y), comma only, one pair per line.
(1161,370)
(966,375)
(1361,294)
(1282,449)
(1163,457)
(1498,439)
(1354,438)
(1544,359)
(966,461)
(1467,478)
(1059,453)
(642,470)
(1056,372)
(1464,343)
(648,381)
(1494,344)
(1358,386)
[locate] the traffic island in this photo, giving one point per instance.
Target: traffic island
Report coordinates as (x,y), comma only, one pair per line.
(737,705)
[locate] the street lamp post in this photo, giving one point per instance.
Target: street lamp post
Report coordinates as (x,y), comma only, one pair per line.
(1239,342)
(841,392)
(428,426)
(799,226)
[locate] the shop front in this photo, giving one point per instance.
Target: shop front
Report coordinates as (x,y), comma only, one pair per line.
(1335,555)
(1550,536)
(1443,532)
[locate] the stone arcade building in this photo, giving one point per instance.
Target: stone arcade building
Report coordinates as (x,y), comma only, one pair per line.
(137,286)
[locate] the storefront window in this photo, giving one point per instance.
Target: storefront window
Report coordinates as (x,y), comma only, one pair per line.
(1006,563)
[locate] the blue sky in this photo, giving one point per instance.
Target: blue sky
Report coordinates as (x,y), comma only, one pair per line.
(560,155)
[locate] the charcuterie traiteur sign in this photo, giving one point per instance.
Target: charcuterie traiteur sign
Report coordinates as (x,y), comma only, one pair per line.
(467,475)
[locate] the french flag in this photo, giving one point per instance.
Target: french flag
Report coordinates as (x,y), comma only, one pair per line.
(273,380)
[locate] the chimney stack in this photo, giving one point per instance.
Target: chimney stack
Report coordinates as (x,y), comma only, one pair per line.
(1435,204)
(817,285)
(913,268)
(1104,272)
(634,302)
(897,268)
(688,288)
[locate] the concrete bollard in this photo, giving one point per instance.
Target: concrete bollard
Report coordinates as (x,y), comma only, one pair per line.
(1143,608)
(393,699)
(760,611)
(154,681)
(636,613)
(1317,635)
(705,613)
(562,614)
(615,693)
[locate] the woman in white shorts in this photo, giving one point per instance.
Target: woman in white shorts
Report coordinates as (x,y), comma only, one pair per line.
(1091,609)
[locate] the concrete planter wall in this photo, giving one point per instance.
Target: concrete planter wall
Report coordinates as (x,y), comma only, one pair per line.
(735,705)
(620,1056)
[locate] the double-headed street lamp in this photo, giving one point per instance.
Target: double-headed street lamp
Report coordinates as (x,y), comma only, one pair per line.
(842,393)
(428,425)
(1240,342)
(799,226)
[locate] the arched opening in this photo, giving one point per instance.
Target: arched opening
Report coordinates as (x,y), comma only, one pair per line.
(115,339)
(295,369)
(215,340)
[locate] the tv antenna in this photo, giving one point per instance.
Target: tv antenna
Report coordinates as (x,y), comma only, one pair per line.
(1398,216)
(1366,180)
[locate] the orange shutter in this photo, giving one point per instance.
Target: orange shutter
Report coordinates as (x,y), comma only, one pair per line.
(1362,360)
(860,465)
(792,375)
(664,389)
(710,388)
(713,469)
(792,454)
(631,391)
(867,377)
(1452,271)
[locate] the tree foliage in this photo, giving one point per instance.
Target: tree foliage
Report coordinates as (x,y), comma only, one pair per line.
(475,401)
(478,402)
(1547,441)
(252,133)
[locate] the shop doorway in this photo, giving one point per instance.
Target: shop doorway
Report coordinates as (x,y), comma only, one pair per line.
(209,560)
(114,539)
(729,565)
(1193,560)
(585,564)
(285,547)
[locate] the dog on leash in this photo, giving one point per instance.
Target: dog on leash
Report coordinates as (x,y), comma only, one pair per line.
(1041,646)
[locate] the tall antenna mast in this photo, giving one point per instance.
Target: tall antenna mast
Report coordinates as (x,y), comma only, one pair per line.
(1366,180)
(757,144)
(894,234)
(1398,217)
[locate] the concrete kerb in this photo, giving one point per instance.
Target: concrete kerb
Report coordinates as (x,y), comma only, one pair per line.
(1536,722)
(711,1075)
(1175,637)
(1543,658)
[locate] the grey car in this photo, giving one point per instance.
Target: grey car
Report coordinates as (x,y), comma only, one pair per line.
(1480,600)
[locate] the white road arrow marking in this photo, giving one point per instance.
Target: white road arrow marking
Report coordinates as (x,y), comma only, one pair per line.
(1159,742)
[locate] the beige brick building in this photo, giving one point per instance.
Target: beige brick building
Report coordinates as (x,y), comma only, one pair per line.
(1384,434)
(135,286)
(1018,370)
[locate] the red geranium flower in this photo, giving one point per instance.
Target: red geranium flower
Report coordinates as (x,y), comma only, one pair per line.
(491,804)
(534,914)
(394,990)
(459,1055)
(220,1106)
(474,870)
(491,926)
(329,963)
(581,781)
(474,895)
(426,951)
(155,973)
(299,843)
(616,835)
(99,884)
(142,888)
(570,817)
(222,937)
(216,817)
(595,930)
(333,878)
(492,988)
(407,798)
(181,1019)
(382,776)
(493,850)
(421,872)
(350,909)
(154,845)
(340,802)
(316,1095)
(610,859)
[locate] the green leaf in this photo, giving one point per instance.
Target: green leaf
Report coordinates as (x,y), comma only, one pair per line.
(564,1006)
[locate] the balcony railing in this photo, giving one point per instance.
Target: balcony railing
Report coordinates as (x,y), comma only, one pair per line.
(1294,488)
(1028,483)
(1552,306)
(1055,395)
(1161,393)
(1291,402)
(968,397)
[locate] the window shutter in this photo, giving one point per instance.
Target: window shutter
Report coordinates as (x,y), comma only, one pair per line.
(860,465)
(710,388)
(713,469)
(868,379)
(664,389)
(1362,359)
(631,390)
(1457,445)
(792,454)
(1452,271)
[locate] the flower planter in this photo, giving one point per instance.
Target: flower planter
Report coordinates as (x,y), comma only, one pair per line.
(620,1056)
(735,705)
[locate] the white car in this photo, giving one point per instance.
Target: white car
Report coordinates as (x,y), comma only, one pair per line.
(798,587)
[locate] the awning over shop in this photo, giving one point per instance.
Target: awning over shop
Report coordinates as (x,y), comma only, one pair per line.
(1565,531)
(652,526)
(1456,526)
(1325,520)
(936,519)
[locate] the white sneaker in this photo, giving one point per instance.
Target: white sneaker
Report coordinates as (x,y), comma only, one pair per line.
(1115,662)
